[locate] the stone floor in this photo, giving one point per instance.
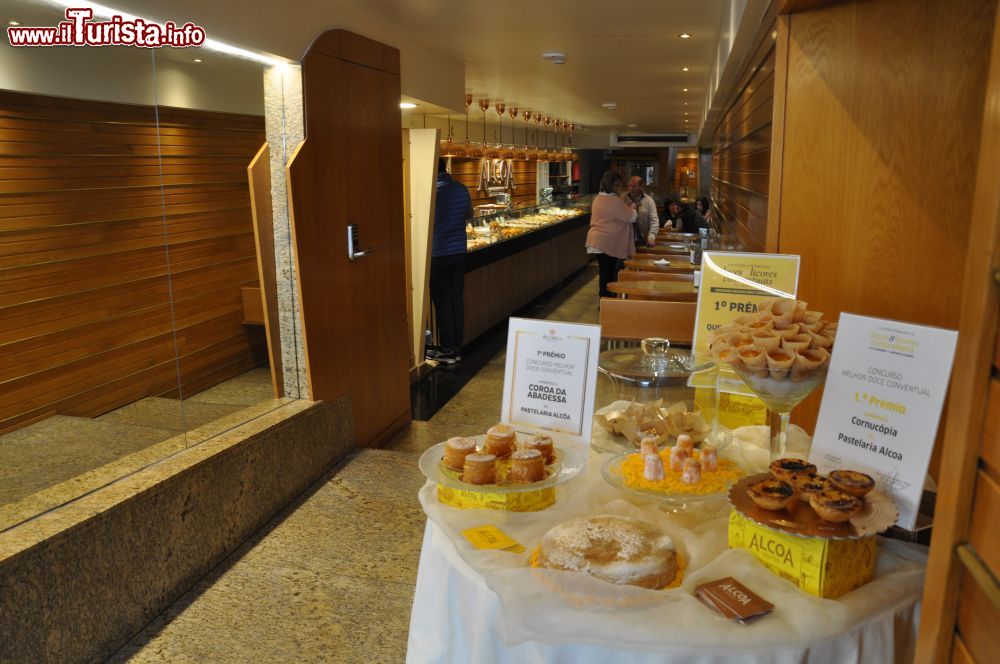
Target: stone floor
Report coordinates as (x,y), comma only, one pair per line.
(331,578)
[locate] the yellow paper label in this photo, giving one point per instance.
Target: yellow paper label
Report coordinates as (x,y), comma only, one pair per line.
(519,501)
(733,283)
(821,567)
(491,537)
(735,410)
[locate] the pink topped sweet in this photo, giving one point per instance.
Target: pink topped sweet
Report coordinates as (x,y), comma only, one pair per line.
(685,441)
(653,470)
(648,446)
(692,472)
(678,455)
(709,458)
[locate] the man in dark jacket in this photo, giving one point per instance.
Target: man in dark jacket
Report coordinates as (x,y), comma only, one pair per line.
(452,211)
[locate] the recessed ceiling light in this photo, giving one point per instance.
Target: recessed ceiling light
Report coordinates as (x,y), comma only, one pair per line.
(198,60)
(684,35)
(14,23)
(632,125)
(685,103)
(610,105)
(685,89)
(685,69)
(407,104)
(555,57)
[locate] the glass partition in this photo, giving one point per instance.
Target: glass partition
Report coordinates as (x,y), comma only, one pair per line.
(86,318)
(134,277)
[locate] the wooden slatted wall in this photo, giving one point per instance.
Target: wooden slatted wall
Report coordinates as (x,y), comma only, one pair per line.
(91,250)
(741,155)
(466,171)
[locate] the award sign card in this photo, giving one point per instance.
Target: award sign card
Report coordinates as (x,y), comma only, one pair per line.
(733,283)
(882,405)
(551,376)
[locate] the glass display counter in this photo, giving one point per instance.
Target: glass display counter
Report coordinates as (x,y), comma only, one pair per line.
(485,230)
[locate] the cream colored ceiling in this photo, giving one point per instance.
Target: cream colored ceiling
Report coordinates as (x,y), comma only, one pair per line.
(627,53)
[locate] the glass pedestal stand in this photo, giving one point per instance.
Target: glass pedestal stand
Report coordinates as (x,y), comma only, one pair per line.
(780,396)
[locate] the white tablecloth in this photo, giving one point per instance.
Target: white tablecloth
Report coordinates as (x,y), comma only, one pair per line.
(476,606)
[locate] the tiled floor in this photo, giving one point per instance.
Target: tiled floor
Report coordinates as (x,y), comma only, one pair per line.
(331,578)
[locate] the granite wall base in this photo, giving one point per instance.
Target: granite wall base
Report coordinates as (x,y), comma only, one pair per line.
(78,582)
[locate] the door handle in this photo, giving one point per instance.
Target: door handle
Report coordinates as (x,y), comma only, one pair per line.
(353,253)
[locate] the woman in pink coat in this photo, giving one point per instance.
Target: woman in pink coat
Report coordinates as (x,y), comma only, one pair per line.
(610,235)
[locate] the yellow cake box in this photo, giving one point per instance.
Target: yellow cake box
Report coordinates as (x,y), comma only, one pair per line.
(823,567)
(532,500)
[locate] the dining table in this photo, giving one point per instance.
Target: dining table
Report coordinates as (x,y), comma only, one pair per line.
(663,291)
(665,264)
(670,249)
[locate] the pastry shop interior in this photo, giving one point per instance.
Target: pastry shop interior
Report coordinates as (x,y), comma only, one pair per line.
(676,322)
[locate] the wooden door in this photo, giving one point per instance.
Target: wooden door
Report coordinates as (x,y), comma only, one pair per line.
(961,602)
(348,171)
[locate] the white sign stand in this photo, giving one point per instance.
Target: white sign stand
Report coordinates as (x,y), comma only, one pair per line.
(882,405)
(551,377)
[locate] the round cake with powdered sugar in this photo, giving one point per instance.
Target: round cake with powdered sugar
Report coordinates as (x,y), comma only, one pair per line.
(616,549)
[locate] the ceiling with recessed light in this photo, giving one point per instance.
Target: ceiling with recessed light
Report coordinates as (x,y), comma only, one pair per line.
(629,55)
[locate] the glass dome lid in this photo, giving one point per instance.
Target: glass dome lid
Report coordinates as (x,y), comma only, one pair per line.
(653,363)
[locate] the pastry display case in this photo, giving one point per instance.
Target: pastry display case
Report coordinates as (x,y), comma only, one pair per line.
(484,230)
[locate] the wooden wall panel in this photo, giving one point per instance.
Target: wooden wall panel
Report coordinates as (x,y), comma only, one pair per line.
(741,153)
(525,192)
(106,280)
(875,183)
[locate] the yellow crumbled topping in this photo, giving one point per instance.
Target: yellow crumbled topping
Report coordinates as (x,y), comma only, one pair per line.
(714,481)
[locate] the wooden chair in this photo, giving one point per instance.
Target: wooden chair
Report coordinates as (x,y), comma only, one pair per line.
(635,320)
(640,275)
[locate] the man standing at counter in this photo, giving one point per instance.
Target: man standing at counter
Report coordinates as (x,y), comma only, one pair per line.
(452,210)
(646,224)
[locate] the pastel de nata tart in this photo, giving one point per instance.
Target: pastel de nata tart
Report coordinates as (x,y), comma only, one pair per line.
(527,466)
(480,469)
(455,451)
(500,441)
(783,469)
(612,548)
(852,482)
(771,494)
(805,485)
(835,506)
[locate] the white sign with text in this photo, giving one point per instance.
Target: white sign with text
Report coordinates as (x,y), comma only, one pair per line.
(882,405)
(551,376)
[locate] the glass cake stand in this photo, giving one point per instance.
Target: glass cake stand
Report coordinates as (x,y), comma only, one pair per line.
(670,502)
(780,396)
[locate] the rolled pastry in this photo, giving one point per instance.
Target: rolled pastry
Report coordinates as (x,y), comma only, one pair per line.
(807,326)
(766,338)
(821,340)
(739,340)
(783,313)
(744,320)
(759,325)
(755,359)
(800,311)
(779,362)
(796,342)
(808,361)
(789,331)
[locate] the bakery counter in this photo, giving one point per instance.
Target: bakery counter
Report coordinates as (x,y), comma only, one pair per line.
(505,276)
(479,604)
